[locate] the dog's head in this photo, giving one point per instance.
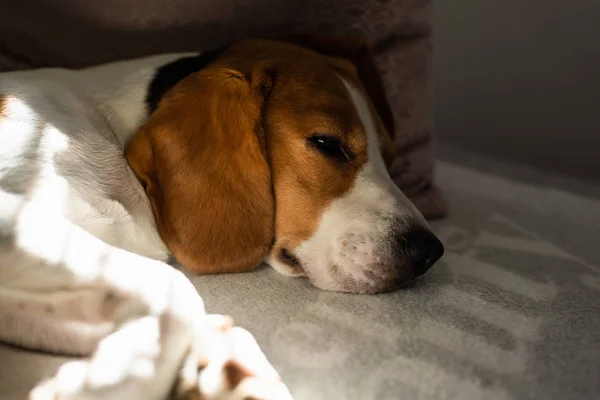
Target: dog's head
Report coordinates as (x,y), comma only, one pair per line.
(278,152)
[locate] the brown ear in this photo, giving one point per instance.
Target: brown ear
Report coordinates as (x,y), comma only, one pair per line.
(363,68)
(201,158)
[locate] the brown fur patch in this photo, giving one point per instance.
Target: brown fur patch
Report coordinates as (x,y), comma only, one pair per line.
(3,102)
(187,394)
(353,57)
(203,166)
(234,374)
(360,53)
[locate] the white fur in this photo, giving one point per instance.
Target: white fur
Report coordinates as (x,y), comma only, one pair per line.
(81,259)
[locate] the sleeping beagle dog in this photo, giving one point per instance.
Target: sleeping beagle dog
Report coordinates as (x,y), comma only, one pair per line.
(262,151)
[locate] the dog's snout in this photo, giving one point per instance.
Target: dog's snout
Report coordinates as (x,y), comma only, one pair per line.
(423,248)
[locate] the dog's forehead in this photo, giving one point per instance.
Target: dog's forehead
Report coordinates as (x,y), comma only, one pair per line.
(297,68)
(321,98)
(314,100)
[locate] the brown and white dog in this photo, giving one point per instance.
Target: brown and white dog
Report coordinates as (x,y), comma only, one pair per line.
(263,151)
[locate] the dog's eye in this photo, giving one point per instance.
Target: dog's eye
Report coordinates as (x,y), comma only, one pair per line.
(331,147)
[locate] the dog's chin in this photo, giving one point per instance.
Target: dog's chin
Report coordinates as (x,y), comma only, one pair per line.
(345,284)
(381,278)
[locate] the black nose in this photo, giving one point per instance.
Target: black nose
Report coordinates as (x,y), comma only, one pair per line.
(423,248)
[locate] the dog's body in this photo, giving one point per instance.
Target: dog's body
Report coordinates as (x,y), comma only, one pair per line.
(84,234)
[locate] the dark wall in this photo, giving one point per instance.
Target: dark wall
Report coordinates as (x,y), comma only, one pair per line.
(520,80)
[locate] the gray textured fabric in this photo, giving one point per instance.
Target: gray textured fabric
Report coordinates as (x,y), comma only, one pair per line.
(511,312)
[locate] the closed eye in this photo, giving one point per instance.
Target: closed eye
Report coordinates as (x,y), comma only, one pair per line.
(331,147)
